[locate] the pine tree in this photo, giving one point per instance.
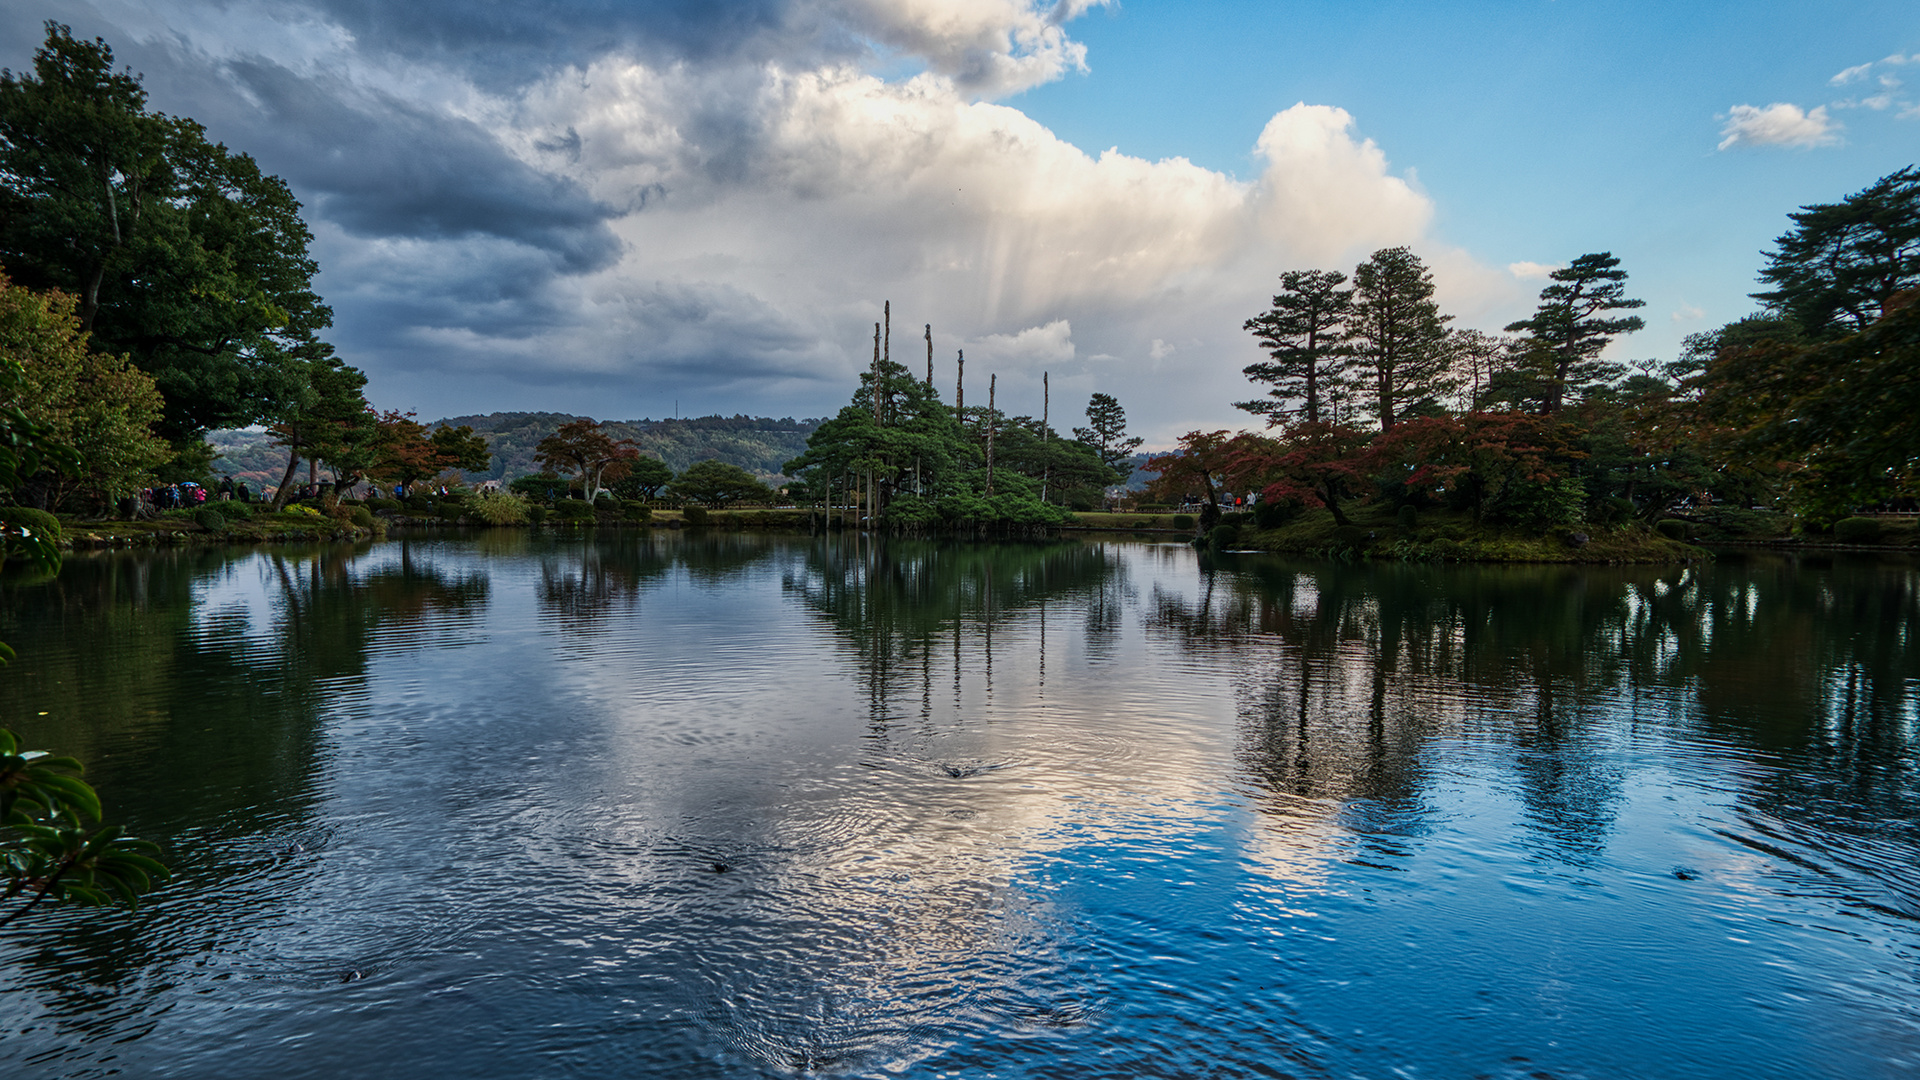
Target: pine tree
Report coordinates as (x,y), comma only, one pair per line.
(1572,326)
(1398,333)
(1106,432)
(1836,269)
(1304,333)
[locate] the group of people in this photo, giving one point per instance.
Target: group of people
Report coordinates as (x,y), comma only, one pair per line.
(189,494)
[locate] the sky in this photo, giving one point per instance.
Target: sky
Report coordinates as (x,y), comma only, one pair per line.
(632,208)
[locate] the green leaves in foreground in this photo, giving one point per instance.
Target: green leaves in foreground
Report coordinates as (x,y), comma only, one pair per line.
(50,843)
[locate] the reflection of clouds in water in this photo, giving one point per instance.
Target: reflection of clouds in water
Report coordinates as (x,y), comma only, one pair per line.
(901,975)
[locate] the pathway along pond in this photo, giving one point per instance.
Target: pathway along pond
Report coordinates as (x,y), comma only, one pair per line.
(739,806)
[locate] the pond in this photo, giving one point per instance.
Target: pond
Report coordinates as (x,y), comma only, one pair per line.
(749,806)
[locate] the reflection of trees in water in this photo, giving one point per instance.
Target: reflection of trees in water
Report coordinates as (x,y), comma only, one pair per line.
(904,607)
(200,720)
(1816,665)
(581,584)
(586,579)
(1351,672)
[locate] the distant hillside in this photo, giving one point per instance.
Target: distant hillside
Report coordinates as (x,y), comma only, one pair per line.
(757,444)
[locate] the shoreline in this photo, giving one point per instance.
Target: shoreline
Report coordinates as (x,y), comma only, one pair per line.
(1370,536)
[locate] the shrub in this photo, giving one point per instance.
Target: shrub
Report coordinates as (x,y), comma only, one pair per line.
(1408,518)
(209,519)
(537,486)
(695,515)
(39,522)
(1614,511)
(391,506)
(1271,515)
(536,514)
(1223,536)
(573,510)
(1672,529)
(1183,521)
(636,511)
(232,510)
(361,516)
(1351,536)
(501,508)
(1857,530)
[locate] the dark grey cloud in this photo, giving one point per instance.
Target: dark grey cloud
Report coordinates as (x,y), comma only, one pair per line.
(507,42)
(377,166)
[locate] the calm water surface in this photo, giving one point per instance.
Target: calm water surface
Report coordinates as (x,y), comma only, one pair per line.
(735,806)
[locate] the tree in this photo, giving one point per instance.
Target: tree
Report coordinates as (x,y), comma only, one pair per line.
(1316,464)
(1843,416)
(716,483)
(1572,327)
(1304,333)
(26,446)
(1475,358)
(182,254)
(96,405)
(1204,461)
(1506,467)
(1106,432)
(1398,332)
(51,843)
(581,447)
(407,453)
(330,421)
(1835,270)
(646,475)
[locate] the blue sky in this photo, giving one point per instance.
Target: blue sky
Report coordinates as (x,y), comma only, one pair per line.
(608,207)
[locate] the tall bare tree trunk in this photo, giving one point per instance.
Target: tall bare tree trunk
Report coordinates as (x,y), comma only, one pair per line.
(991,380)
(960,389)
(1046,398)
(929,356)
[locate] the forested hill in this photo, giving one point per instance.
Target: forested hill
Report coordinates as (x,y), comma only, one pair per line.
(758,444)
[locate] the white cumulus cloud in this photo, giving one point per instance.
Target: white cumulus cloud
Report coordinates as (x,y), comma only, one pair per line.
(1779,124)
(1533,271)
(1852,74)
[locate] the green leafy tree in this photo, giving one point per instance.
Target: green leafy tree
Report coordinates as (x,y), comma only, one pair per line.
(1571,326)
(96,405)
(1304,332)
(1835,270)
(330,421)
(183,254)
(52,846)
(26,447)
(1106,433)
(1398,333)
(716,483)
(1841,417)
(646,476)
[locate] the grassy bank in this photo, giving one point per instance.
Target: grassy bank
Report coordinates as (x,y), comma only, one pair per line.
(1449,536)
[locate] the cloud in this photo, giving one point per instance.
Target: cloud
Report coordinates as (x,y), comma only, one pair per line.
(1533,271)
(1852,74)
(1779,124)
(521,206)
(1688,313)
